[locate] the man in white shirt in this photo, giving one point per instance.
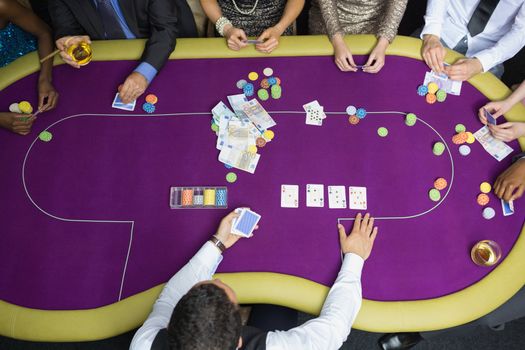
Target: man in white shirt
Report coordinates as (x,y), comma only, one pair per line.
(196,312)
(487,32)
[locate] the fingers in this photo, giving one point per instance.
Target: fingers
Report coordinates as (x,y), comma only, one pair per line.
(342,233)
(507,195)
(373,235)
(518,193)
(378,63)
(268,46)
(52,100)
(481,115)
(364,223)
(357,222)
(370,227)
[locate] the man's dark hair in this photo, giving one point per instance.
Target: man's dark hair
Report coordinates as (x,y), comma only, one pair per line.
(205,319)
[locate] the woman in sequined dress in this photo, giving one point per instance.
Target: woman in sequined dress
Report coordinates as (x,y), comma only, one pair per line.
(339,17)
(266,20)
(21,32)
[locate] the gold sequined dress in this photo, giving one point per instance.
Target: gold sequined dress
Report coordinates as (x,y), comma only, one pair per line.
(379,17)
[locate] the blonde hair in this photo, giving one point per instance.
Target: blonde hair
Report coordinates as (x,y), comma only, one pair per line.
(24,3)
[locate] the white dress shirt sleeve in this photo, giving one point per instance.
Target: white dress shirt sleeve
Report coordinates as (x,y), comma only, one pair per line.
(200,268)
(507,46)
(331,328)
(435,17)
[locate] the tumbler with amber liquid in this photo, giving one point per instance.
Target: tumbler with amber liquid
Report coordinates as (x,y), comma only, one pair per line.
(486,253)
(81,53)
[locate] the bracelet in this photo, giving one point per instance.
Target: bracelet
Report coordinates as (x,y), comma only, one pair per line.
(220,24)
(216,242)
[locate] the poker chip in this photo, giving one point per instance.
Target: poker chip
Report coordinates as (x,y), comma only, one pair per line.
(422,90)
(231,177)
(382,131)
(489,213)
(227,166)
(430,98)
(483,199)
(432,88)
(215,127)
(151,99)
(440,184)
(441,95)
(265,84)
(410,119)
(263,94)
(351,110)
(268,71)
(241,83)
(278,81)
(460,138)
(252,149)
(353,119)
(260,142)
(268,135)
(253,76)
(25,107)
(13,107)
(45,136)
(248,89)
(434,195)
(470,137)
(360,113)
(148,107)
(485,187)
(220,197)
(438,148)
(464,150)
(460,128)
(276,91)
(272,81)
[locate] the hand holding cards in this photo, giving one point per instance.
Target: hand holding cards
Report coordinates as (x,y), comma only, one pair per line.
(245,223)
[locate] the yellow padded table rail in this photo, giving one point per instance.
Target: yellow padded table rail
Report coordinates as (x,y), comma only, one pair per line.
(260,287)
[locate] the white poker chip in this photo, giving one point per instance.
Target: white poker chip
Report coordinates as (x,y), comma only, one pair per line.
(489,213)
(268,72)
(13,107)
(351,110)
(464,150)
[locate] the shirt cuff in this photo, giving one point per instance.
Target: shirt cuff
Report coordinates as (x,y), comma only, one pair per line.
(353,263)
(147,70)
(432,28)
(210,256)
(486,59)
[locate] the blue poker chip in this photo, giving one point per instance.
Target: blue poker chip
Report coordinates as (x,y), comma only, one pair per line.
(360,113)
(272,80)
(220,197)
(422,90)
(227,166)
(148,107)
(248,89)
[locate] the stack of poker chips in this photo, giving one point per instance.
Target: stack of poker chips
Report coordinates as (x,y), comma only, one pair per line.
(198,197)
(270,82)
(432,93)
(355,114)
(149,105)
(439,185)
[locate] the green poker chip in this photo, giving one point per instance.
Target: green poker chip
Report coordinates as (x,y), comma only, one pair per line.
(215,127)
(410,119)
(434,195)
(441,95)
(382,131)
(460,128)
(438,148)
(45,136)
(231,177)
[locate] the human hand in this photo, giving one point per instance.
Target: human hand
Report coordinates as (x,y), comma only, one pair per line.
(510,184)
(46,91)
(361,239)
(235,37)
(17,122)
(376,60)
(433,53)
(497,109)
(342,55)
(224,232)
(270,38)
(134,86)
(464,69)
(66,41)
(508,131)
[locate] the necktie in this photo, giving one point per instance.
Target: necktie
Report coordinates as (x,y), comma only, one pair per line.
(481,16)
(112,28)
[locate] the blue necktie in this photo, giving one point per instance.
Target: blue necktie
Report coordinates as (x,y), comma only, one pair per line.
(112,28)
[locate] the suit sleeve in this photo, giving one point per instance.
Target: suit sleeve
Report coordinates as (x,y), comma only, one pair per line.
(64,22)
(518,157)
(163,27)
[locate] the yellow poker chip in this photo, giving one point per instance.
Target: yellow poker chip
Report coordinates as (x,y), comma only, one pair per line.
(485,187)
(470,137)
(432,88)
(253,76)
(25,107)
(252,149)
(268,135)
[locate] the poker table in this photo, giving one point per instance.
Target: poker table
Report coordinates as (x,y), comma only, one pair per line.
(88,238)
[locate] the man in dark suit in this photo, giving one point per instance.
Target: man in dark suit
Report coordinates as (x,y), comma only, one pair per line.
(160,21)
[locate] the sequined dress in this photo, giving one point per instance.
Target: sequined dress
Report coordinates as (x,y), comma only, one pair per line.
(266,14)
(379,17)
(14,42)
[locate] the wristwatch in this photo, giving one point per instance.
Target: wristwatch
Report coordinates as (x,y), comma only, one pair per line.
(216,242)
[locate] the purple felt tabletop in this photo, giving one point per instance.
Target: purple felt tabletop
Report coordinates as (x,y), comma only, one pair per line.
(85,218)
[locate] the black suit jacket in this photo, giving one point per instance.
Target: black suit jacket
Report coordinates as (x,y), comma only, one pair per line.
(157,20)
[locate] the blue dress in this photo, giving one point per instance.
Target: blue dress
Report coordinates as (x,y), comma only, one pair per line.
(14,42)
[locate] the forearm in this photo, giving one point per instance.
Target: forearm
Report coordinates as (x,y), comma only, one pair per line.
(390,23)
(211,9)
(291,11)
(517,95)
(330,16)
(45,47)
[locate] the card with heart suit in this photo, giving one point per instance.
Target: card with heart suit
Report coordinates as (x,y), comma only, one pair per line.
(336,197)
(315,196)
(290,196)
(357,197)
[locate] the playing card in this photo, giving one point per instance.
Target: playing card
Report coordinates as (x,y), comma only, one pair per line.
(507,207)
(311,105)
(336,197)
(254,42)
(313,117)
(117,103)
(245,223)
(357,197)
(290,196)
(496,148)
(490,118)
(315,196)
